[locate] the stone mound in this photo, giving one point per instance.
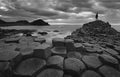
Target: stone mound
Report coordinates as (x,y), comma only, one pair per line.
(96,27)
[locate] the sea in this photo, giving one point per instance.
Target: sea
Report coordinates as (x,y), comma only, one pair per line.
(63,30)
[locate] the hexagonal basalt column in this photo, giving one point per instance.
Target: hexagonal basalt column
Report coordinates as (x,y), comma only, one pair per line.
(61,51)
(79,47)
(90,73)
(26,52)
(55,60)
(76,55)
(42,51)
(9,56)
(51,73)
(74,64)
(108,71)
(58,42)
(92,61)
(107,59)
(69,44)
(29,66)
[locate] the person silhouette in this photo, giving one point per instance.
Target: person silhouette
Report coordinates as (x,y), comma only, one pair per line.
(96,16)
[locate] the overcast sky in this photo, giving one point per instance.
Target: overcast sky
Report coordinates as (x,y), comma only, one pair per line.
(61,11)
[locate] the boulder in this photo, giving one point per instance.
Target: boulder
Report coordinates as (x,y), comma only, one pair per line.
(51,73)
(30,66)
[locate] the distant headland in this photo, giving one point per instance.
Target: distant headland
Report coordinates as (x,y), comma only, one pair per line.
(38,22)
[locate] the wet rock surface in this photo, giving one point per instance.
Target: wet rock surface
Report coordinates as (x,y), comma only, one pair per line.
(91,51)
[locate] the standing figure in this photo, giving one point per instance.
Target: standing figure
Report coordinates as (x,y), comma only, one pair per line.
(96,16)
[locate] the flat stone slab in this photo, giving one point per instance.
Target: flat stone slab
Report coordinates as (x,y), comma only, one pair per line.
(117,48)
(8,47)
(79,47)
(29,66)
(9,55)
(56,60)
(92,61)
(111,51)
(74,64)
(42,51)
(108,59)
(34,44)
(26,39)
(90,73)
(108,71)
(26,51)
(74,54)
(87,44)
(58,42)
(90,50)
(51,73)
(12,40)
(40,40)
(59,51)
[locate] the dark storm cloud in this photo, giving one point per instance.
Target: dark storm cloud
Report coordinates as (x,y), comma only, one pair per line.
(113,4)
(62,10)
